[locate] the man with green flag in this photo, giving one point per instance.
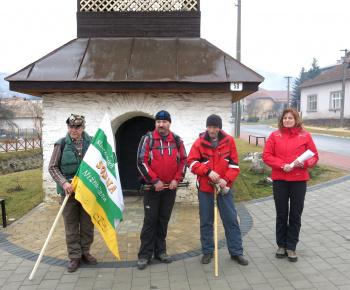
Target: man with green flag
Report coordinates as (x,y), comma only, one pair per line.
(65,161)
(97,185)
(95,193)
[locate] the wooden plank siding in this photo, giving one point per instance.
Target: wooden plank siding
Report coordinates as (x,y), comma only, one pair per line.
(138,24)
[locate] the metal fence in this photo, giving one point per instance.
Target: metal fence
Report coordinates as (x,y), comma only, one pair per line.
(20,145)
(14,134)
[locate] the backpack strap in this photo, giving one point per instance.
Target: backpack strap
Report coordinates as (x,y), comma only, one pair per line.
(151,141)
(63,144)
(177,141)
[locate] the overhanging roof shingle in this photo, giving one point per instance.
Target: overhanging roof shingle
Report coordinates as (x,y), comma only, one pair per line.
(332,75)
(135,64)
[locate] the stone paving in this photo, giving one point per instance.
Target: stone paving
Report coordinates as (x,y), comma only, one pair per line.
(323,251)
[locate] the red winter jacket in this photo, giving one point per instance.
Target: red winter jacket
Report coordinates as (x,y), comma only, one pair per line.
(164,162)
(203,158)
(283,148)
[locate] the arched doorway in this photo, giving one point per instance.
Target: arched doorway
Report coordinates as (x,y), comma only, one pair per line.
(127,139)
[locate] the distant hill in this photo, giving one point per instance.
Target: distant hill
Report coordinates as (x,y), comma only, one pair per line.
(6,93)
(274,81)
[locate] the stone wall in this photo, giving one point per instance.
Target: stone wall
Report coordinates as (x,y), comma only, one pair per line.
(20,161)
(188,112)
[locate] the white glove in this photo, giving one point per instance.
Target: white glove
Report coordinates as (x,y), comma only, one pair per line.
(224,190)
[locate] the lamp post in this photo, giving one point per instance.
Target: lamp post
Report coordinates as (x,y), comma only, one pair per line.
(237,132)
(341,118)
(288,91)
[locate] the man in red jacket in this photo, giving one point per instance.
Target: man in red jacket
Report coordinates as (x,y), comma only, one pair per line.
(213,157)
(161,160)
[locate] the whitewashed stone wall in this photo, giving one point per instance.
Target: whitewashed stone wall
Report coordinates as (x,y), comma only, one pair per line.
(188,113)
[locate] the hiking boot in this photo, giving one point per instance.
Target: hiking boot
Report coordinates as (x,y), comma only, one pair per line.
(240,259)
(88,259)
(281,253)
(292,256)
(142,264)
(165,258)
(73,265)
(206,259)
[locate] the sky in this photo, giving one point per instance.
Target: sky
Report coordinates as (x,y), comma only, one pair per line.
(278,37)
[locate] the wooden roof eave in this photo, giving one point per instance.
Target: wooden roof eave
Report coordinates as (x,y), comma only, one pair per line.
(41,88)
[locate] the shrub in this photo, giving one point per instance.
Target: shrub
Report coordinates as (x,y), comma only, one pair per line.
(253,119)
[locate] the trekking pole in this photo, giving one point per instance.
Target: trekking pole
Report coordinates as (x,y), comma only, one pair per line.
(166,185)
(216,256)
(48,238)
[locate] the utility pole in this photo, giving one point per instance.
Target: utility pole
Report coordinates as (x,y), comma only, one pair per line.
(341,119)
(288,91)
(237,132)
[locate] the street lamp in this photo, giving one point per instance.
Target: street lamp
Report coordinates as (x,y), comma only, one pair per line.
(238,57)
(341,124)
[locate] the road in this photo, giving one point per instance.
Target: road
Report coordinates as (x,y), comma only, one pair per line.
(326,143)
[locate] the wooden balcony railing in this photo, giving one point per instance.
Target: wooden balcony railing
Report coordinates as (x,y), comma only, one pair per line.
(137,5)
(20,145)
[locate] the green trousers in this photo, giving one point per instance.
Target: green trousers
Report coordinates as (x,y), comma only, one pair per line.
(79,228)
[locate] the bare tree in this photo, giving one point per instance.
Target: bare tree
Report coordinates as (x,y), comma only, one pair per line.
(253,108)
(6,116)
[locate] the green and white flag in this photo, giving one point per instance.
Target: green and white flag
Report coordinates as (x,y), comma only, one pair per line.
(97,185)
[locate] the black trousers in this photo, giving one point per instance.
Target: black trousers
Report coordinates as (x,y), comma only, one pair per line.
(289,199)
(158,206)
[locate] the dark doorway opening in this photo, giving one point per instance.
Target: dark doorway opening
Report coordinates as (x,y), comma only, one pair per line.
(127,139)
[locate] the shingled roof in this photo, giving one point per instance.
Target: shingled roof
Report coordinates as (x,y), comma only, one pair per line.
(135,64)
(278,96)
(333,75)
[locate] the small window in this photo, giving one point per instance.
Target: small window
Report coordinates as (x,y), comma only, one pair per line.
(335,101)
(312,103)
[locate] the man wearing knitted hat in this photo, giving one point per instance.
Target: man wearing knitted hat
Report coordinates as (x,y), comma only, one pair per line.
(161,160)
(213,157)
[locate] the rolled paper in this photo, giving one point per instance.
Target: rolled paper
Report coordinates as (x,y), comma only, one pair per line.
(305,156)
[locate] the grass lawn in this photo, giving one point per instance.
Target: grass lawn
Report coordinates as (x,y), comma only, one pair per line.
(23,190)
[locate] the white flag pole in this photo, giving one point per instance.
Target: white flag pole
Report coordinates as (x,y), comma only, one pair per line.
(48,238)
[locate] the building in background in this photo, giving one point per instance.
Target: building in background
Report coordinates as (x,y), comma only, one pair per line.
(21,117)
(321,97)
(264,104)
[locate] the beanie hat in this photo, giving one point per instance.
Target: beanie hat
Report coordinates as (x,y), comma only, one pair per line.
(163,115)
(214,120)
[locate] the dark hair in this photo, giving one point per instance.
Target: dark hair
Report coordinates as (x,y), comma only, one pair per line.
(294,112)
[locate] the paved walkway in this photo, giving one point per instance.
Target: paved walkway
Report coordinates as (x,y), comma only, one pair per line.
(324,251)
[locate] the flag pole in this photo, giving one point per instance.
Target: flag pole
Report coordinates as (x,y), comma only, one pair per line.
(48,238)
(216,232)
(216,254)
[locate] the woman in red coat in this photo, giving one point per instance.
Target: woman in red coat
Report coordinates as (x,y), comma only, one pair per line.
(289,182)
